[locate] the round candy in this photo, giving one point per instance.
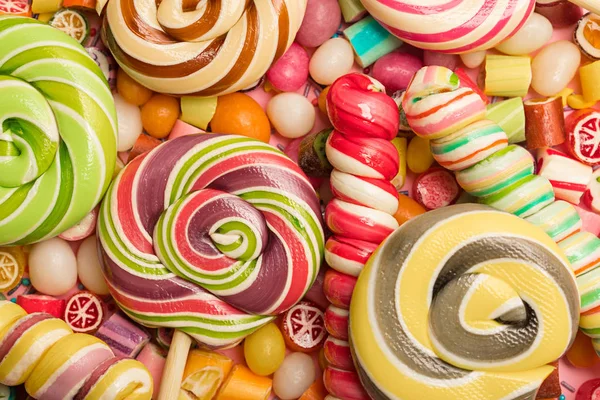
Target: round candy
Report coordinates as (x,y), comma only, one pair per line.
(449,61)
(294,376)
(264,350)
(536,32)
(291,114)
(303,327)
(331,60)
(130,123)
(159,115)
(131,91)
(89,268)
(12,267)
(395,70)
(586,36)
(473,60)
(240,114)
(52,267)
(407,209)
(58,113)
(259,225)
(84,312)
(321,20)
(554,67)
(290,72)
(209,52)
(418,155)
(436,188)
(464,294)
(583,135)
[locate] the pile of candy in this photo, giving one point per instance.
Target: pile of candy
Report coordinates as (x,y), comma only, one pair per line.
(299,199)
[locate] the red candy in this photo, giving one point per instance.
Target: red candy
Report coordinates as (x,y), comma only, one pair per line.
(466,81)
(338,288)
(84,312)
(315,293)
(33,303)
(583,135)
(337,353)
(590,390)
(436,188)
(344,384)
(303,327)
(336,322)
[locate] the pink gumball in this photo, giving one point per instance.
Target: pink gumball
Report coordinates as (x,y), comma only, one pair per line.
(449,61)
(321,21)
(290,72)
(395,70)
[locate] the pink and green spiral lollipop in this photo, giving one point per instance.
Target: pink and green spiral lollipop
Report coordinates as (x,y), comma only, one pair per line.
(58,131)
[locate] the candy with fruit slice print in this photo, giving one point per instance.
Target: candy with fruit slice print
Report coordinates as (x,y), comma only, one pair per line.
(303,327)
(84,312)
(583,135)
(15,7)
(12,266)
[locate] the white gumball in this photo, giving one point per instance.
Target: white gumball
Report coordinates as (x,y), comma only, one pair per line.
(291,114)
(89,268)
(331,60)
(52,267)
(129,118)
(294,376)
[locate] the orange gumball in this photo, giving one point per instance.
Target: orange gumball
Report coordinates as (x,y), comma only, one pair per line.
(240,114)
(407,209)
(582,353)
(323,100)
(130,90)
(159,114)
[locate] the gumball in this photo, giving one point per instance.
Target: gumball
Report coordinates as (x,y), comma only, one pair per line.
(131,91)
(159,115)
(407,209)
(239,114)
(290,72)
(395,70)
(582,353)
(89,268)
(333,59)
(291,114)
(321,20)
(294,376)
(418,155)
(129,120)
(264,350)
(473,60)
(52,267)
(303,327)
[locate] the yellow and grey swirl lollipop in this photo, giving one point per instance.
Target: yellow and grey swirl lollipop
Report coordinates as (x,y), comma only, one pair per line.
(464,302)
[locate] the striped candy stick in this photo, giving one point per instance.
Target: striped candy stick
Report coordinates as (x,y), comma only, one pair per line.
(58,144)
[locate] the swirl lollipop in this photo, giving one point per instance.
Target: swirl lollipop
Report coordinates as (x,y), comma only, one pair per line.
(463,302)
(452,26)
(58,130)
(204,48)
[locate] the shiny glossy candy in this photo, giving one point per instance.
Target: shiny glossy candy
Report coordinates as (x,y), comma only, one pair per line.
(52,267)
(294,376)
(264,350)
(303,327)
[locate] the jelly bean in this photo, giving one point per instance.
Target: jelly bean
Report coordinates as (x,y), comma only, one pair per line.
(407,209)
(52,267)
(240,114)
(331,60)
(473,60)
(291,114)
(449,61)
(321,20)
(395,70)
(264,350)
(536,32)
(418,155)
(131,91)
(294,376)
(290,72)
(582,353)
(554,67)
(159,115)
(322,100)
(89,268)
(129,120)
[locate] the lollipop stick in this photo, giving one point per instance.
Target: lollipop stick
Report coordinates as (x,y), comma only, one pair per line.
(173,372)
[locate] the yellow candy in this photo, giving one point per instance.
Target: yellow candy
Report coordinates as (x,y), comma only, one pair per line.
(400,143)
(198,111)
(45,17)
(264,350)
(577,102)
(565,93)
(589,81)
(12,267)
(418,155)
(45,6)
(9,314)
(204,373)
(507,76)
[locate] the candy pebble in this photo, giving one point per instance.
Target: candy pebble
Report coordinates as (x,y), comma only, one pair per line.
(568,177)
(294,376)
(473,60)
(331,60)
(449,61)
(240,114)
(581,354)
(198,111)
(291,114)
(536,32)
(130,90)
(321,20)
(589,81)
(507,76)
(407,209)
(13,261)
(52,267)
(154,359)
(204,373)
(159,115)
(242,384)
(418,155)
(395,70)
(125,338)
(370,41)
(84,312)
(129,119)
(436,188)
(290,72)
(554,67)
(36,303)
(89,268)
(264,350)
(303,327)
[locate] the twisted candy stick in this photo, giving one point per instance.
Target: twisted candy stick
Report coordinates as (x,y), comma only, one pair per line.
(205,226)
(505,181)
(204,48)
(463,302)
(452,26)
(361,213)
(58,131)
(55,364)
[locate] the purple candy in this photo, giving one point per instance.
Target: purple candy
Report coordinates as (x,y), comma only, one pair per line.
(290,72)
(395,70)
(321,21)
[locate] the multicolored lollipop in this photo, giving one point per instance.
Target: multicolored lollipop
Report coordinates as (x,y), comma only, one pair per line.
(58,131)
